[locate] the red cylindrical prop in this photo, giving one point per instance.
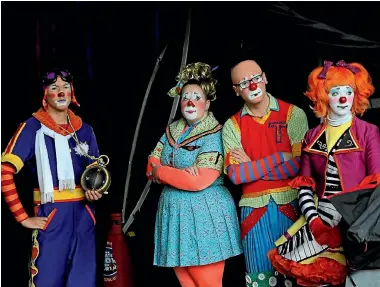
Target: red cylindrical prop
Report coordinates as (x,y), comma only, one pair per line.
(117,263)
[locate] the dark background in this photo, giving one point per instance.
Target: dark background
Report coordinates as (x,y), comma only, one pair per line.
(111,49)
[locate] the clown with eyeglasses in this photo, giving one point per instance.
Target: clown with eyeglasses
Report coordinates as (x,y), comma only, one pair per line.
(262,148)
(52,145)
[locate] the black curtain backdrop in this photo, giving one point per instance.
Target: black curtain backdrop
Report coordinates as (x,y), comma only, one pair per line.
(111,49)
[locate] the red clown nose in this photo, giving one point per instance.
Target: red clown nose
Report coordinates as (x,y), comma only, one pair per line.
(253,86)
(342,100)
(190,104)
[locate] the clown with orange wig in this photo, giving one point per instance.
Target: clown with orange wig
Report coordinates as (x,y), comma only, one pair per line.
(52,145)
(340,155)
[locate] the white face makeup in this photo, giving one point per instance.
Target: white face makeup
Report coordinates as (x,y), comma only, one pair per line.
(255,94)
(59,94)
(254,91)
(190,111)
(61,103)
(194,105)
(340,100)
(54,87)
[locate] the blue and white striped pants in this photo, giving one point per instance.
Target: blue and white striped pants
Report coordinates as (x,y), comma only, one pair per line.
(261,238)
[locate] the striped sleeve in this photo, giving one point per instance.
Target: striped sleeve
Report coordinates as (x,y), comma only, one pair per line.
(307,204)
(288,169)
(328,213)
(297,128)
(253,170)
(8,189)
(247,171)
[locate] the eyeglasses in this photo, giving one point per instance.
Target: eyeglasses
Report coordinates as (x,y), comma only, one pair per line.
(245,84)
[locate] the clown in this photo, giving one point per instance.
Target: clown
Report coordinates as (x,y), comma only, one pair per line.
(262,144)
(196,224)
(340,155)
(53,144)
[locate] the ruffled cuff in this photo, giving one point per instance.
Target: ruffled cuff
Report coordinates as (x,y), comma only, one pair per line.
(300,181)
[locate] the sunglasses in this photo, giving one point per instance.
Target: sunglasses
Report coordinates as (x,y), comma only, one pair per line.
(51,77)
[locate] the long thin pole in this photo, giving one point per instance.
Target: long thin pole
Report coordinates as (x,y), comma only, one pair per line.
(171,117)
(134,143)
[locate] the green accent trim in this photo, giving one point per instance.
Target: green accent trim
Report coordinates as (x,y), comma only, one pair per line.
(278,197)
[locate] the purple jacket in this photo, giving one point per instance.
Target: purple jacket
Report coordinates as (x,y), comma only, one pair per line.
(357,157)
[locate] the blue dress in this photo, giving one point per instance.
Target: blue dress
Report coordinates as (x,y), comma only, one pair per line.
(194,227)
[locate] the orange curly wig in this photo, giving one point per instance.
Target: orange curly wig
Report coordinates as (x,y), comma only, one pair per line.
(318,89)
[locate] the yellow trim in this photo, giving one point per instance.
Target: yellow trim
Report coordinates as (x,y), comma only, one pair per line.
(335,256)
(262,120)
(64,195)
(232,159)
(13,159)
(290,111)
(235,124)
(297,149)
(14,139)
(292,230)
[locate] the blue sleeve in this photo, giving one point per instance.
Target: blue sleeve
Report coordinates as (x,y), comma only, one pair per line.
(93,146)
(20,148)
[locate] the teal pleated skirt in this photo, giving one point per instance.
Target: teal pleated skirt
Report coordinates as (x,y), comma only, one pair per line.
(196,228)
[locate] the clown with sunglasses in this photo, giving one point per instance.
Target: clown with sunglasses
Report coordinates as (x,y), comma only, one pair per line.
(55,145)
(262,147)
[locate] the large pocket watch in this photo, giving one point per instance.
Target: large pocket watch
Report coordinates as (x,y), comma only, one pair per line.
(96,177)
